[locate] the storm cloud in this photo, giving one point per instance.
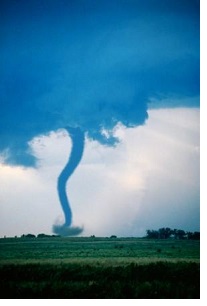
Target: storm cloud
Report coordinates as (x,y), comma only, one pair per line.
(91,64)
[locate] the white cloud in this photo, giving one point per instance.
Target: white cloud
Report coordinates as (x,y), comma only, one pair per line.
(150,180)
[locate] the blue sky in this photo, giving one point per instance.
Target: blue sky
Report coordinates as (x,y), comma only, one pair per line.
(102,66)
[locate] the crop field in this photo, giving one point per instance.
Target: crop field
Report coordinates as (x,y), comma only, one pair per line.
(82,267)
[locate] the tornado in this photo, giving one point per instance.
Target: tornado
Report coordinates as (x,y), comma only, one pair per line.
(77,138)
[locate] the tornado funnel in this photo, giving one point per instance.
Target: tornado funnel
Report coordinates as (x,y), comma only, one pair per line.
(77,138)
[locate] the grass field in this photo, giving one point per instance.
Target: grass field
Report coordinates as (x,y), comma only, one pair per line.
(81,267)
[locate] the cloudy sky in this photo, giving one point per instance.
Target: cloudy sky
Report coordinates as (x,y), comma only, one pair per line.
(126,73)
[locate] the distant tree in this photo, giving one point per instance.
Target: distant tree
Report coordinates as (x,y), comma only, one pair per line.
(193,236)
(196,235)
(43,236)
(28,236)
(113,236)
(179,234)
(152,234)
(165,233)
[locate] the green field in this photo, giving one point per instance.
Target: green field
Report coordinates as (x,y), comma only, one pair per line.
(81,267)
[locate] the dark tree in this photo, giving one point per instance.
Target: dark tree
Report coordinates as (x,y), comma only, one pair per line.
(165,233)
(179,234)
(152,234)
(193,236)
(28,236)
(43,236)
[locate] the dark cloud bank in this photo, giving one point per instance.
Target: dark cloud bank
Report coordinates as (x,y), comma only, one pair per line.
(89,65)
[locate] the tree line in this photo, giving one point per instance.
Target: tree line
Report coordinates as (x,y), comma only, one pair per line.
(161,233)
(38,236)
(166,233)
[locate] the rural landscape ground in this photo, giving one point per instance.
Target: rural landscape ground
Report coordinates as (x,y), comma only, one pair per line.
(101,268)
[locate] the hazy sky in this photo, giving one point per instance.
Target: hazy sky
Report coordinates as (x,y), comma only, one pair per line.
(127,74)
